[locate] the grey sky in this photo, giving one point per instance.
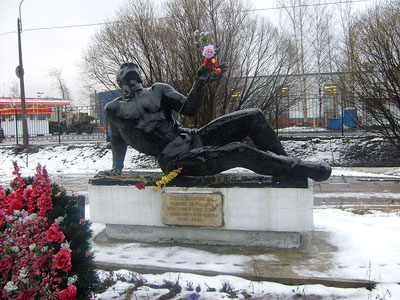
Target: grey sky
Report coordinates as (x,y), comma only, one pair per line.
(46,49)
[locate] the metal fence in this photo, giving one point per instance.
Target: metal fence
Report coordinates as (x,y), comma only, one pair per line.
(61,124)
(65,124)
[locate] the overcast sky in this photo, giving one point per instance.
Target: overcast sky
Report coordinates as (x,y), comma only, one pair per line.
(47,49)
(55,48)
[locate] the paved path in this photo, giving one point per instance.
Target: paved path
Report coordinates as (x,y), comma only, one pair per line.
(357,191)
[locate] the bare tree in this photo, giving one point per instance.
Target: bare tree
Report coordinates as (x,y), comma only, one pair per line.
(374,59)
(321,39)
(59,83)
(168,48)
(299,20)
(14,90)
(345,80)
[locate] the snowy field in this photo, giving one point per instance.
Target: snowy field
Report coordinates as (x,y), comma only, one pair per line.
(368,245)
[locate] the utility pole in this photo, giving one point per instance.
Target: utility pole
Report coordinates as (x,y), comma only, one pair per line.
(20,74)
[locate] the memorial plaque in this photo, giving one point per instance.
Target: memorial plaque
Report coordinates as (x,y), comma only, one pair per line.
(192,209)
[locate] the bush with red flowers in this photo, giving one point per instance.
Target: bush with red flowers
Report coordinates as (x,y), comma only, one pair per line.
(44,245)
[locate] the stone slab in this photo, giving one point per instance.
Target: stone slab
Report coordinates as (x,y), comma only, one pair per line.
(225,179)
(203,236)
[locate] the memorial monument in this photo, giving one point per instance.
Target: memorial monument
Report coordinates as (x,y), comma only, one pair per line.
(202,206)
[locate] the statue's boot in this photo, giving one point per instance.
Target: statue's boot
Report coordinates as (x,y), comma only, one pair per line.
(112,172)
(315,171)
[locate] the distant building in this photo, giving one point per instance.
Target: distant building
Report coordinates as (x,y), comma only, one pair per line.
(99,100)
(39,112)
(36,108)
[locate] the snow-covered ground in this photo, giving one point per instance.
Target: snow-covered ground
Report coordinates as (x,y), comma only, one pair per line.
(244,288)
(302,129)
(367,249)
(367,245)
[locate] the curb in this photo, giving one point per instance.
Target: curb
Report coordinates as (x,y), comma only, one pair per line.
(295,281)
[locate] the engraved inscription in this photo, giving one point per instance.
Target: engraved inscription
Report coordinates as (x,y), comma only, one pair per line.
(192,209)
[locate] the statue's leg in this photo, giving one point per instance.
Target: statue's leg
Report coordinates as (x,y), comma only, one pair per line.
(234,127)
(210,160)
(118,147)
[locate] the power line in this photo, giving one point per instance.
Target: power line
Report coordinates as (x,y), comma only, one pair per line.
(308,5)
(58,27)
(9,32)
(247,10)
(67,26)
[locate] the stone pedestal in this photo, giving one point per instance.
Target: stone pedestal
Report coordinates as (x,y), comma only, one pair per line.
(226,209)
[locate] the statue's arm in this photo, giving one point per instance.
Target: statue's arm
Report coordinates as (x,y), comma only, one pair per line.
(190,105)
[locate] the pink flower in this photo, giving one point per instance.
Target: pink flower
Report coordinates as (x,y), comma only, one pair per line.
(54,234)
(208,51)
(63,260)
(69,293)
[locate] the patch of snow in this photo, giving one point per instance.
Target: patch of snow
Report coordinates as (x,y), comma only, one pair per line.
(358,195)
(254,289)
(302,129)
(354,173)
(368,247)
(172,257)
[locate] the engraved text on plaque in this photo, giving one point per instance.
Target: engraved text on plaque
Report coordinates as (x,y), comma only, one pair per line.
(192,209)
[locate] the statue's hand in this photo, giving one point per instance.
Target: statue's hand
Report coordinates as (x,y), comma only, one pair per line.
(203,73)
(207,76)
(223,68)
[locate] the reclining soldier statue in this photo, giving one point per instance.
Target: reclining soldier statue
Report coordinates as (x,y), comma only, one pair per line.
(143,118)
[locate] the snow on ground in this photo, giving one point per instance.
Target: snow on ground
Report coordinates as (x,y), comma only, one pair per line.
(59,159)
(356,172)
(368,249)
(254,289)
(358,195)
(368,246)
(302,129)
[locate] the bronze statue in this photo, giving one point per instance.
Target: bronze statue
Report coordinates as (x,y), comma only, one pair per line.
(143,118)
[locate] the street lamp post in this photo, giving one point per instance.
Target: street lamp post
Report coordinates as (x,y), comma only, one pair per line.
(20,74)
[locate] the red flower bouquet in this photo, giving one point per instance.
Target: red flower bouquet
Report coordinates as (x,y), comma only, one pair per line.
(210,62)
(34,264)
